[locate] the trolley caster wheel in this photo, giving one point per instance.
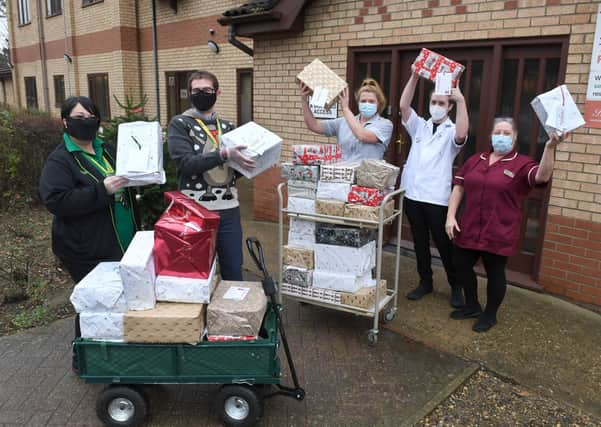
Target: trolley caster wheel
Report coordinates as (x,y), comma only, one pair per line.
(239,405)
(372,338)
(390,315)
(121,406)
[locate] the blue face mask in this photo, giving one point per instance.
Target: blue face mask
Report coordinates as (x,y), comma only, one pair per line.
(367,110)
(502,144)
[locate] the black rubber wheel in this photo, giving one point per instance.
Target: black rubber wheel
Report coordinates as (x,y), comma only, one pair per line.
(121,406)
(239,405)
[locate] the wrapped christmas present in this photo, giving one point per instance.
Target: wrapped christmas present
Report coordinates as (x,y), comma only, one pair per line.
(341,281)
(365,196)
(557,111)
(186,289)
(137,272)
(428,64)
(339,172)
(325,83)
(101,326)
(298,257)
(140,153)
(364,297)
(345,259)
(329,207)
(237,309)
(231,338)
(301,233)
(377,174)
(370,213)
(301,205)
(312,292)
(185,238)
(100,291)
(342,235)
(262,146)
(167,323)
(333,190)
(294,172)
(318,154)
(297,276)
(303,189)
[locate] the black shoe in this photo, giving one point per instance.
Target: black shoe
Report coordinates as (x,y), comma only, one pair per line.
(484,323)
(457,297)
(419,292)
(466,313)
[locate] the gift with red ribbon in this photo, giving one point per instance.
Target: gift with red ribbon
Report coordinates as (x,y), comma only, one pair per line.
(365,196)
(184,238)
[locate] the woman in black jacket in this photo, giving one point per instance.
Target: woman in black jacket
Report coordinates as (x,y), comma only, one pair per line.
(94,218)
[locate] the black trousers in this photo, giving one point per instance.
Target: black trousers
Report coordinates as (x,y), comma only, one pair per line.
(464,260)
(425,219)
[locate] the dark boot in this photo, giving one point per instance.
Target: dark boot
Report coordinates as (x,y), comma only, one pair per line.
(419,292)
(466,313)
(484,323)
(457,300)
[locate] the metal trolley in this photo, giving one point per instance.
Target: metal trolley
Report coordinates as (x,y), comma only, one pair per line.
(381,301)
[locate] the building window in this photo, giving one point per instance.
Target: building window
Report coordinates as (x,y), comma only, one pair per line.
(85,3)
(53,7)
(98,88)
(59,90)
(31,93)
(23,9)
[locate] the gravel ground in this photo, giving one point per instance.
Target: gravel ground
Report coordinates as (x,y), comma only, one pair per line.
(487,400)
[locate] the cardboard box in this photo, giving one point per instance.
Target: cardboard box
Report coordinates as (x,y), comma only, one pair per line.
(166,323)
(365,196)
(319,154)
(297,276)
(101,326)
(339,172)
(325,83)
(262,145)
(329,207)
(557,111)
(100,291)
(137,272)
(333,190)
(377,174)
(237,309)
(342,235)
(370,213)
(344,259)
(301,205)
(364,297)
(302,189)
(301,233)
(340,281)
(294,172)
(140,153)
(186,289)
(298,257)
(428,64)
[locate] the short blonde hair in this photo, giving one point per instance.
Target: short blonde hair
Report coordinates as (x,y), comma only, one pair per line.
(372,86)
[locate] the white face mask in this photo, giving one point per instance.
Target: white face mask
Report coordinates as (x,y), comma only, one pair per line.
(437,112)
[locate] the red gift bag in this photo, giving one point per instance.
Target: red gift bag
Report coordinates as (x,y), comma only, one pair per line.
(184,238)
(365,196)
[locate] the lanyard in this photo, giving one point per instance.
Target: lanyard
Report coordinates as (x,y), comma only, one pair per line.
(106,169)
(209,133)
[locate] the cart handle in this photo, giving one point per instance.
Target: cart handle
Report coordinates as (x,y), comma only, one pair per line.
(256,252)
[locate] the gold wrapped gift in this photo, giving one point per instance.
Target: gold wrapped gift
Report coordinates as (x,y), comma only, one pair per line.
(368,212)
(317,74)
(166,323)
(298,257)
(364,297)
(329,207)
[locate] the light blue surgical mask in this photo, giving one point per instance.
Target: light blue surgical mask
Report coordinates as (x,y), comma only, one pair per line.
(367,110)
(502,144)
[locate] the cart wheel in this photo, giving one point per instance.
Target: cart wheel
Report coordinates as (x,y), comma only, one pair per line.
(372,338)
(121,406)
(390,315)
(239,405)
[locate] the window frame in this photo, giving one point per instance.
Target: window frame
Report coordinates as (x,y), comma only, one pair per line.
(50,12)
(58,100)
(28,91)
(23,12)
(93,95)
(86,3)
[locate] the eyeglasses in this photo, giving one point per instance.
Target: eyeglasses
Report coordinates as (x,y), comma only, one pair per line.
(205,90)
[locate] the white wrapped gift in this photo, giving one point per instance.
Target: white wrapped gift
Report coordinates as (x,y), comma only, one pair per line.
(262,145)
(333,190)
(301,233)
(185,289)
(140,153)
(304,189)
(102,326)
(557,111)
(345,259)
(301,205)
(339,281)
(339,172)
(137,272)
(101,290)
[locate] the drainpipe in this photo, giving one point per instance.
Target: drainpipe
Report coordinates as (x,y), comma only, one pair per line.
(43,57)
(231,38)
(68,56)
(156,58)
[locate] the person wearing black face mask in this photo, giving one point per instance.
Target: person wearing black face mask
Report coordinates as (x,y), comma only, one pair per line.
(202,174)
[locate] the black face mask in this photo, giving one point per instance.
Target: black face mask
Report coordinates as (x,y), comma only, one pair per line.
(203,101)
(82,129)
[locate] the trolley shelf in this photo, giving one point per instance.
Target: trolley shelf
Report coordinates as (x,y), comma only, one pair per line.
(355,222)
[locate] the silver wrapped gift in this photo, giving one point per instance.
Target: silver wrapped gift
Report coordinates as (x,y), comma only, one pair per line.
(301,233)
(100,291)
(297,276)
(137,272)
(377,174)
(333,190)
(301,205)
(345,259)
(303,189)
(102,326)
(339,281)
(294,172)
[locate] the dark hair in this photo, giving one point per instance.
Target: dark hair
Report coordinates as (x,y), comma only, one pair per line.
(201,74)
(70,103)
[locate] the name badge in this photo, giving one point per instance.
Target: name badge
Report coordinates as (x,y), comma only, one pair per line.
(508,173)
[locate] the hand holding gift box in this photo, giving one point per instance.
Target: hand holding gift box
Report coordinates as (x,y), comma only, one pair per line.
(140,153)
(325,83)
(557,111)
(428,64)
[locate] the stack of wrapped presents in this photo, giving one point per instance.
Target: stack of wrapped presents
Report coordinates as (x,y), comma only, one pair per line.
(328,261)
(166,288)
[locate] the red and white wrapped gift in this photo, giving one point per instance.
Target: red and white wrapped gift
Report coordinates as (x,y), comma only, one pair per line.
(365,196)
(318,154)
(428,64)
(231,337)
(184,238)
